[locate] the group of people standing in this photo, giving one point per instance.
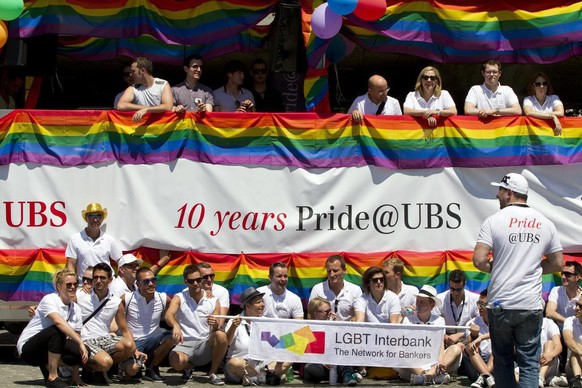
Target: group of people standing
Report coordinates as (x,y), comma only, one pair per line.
(430,101)
(147,94)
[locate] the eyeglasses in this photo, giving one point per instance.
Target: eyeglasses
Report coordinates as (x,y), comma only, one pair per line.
(87,280)
(71,285)
(209,276)
(97,277)
(540,84)
(378,280)
(429,77)
(94,215)
(568,274)
(456,289)
(145,282)
(260,71)
(192,281)
(482,304)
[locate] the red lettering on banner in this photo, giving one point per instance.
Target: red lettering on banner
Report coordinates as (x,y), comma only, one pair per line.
(250,221)
(525,223)
(37,213)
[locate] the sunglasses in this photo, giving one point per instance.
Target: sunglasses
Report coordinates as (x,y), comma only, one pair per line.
(260,71)
(96,216)
(429,77)
(539,84)
(71,285)
(209,276)
(568,274)
(377,280)
(145,282)
(456,289)
(482,304)
(97,277)
(192,281)
(132,265)
(326,312)
(87,280)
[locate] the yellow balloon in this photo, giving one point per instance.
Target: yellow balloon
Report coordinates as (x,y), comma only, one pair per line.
(3,33)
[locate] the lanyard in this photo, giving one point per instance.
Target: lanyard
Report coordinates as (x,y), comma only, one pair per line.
(457,319)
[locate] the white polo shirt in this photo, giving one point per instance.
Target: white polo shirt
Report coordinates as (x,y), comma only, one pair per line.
(143,318)
(458,315)
(565,306)
(88,253)
(552,101)
(50,303)
(414,100)
(573,324)
(367,107)
(192,316)
(381,311)
(285,305)
(118,287)
(98,325)
(407,295)
(484,98)
(342,304)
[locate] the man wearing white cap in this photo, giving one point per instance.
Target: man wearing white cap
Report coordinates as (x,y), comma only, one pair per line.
(127,268)
(449,360)
(519,237)
(91,246)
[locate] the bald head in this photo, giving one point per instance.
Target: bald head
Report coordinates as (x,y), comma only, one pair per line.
(377,89)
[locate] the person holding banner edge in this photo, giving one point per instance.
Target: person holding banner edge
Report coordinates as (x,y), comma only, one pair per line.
(519,237)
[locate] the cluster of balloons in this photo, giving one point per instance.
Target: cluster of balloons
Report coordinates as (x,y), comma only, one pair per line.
(9,10)
(326,20)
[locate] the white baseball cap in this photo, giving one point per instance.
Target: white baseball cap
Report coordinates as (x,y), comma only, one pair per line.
(514,182)
(128,259)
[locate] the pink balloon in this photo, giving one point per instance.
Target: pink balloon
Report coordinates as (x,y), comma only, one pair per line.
(324,22)
(370,9)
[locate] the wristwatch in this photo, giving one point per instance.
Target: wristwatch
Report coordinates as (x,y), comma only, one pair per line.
(438,112)
(497,111)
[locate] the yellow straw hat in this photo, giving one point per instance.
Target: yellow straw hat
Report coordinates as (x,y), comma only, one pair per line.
(94,208)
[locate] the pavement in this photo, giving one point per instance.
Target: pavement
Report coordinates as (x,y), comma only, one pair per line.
(16,374)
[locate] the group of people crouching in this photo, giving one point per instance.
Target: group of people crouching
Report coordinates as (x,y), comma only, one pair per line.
(103,329)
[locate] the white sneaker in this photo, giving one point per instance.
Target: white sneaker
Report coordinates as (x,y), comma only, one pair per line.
(479,383)
(441,378)
(417,379)
(490,381)
(541,382)
(559,381)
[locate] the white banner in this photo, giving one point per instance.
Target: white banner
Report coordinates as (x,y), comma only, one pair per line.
(185,205)
(345,343)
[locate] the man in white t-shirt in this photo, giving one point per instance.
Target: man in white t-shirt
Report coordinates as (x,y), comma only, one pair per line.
(99,309)
(216,290)
(376,101)
(491,99)
(195,330)
(279,301)
(145,309)
(573,339)
(91,245)
(562,300)
(519,237)
(342,295)
(458,306)
(393,269)
(148,94)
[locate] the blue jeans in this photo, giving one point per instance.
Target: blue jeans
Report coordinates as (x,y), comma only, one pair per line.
(519,329)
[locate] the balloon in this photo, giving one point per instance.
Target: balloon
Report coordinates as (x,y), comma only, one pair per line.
(324,22)
(342,7)
(370,9)
(11,9)
(339,48)
(3,33)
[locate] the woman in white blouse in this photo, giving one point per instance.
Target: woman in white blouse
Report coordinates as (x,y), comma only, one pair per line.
(542,103)
(52,335)
(429,100)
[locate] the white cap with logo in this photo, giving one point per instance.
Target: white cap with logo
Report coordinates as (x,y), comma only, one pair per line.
(514,182)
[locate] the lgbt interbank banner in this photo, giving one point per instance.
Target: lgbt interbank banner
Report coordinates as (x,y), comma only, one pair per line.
(214,208)
(340,343)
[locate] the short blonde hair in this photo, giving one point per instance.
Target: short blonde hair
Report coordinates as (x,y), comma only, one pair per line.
(314,304)
(60,275)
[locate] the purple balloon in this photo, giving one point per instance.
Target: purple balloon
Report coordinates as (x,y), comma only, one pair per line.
(342,7)
(324,22)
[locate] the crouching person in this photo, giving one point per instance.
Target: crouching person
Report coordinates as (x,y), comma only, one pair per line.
(195,330)
(99,309)
(239,369)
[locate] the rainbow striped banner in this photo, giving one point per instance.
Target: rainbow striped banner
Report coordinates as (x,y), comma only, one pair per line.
(79,138)
(304,140)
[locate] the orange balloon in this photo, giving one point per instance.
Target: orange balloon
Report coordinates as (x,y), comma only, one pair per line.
(3,33)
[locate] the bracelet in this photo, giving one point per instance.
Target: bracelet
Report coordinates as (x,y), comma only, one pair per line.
(158,265)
